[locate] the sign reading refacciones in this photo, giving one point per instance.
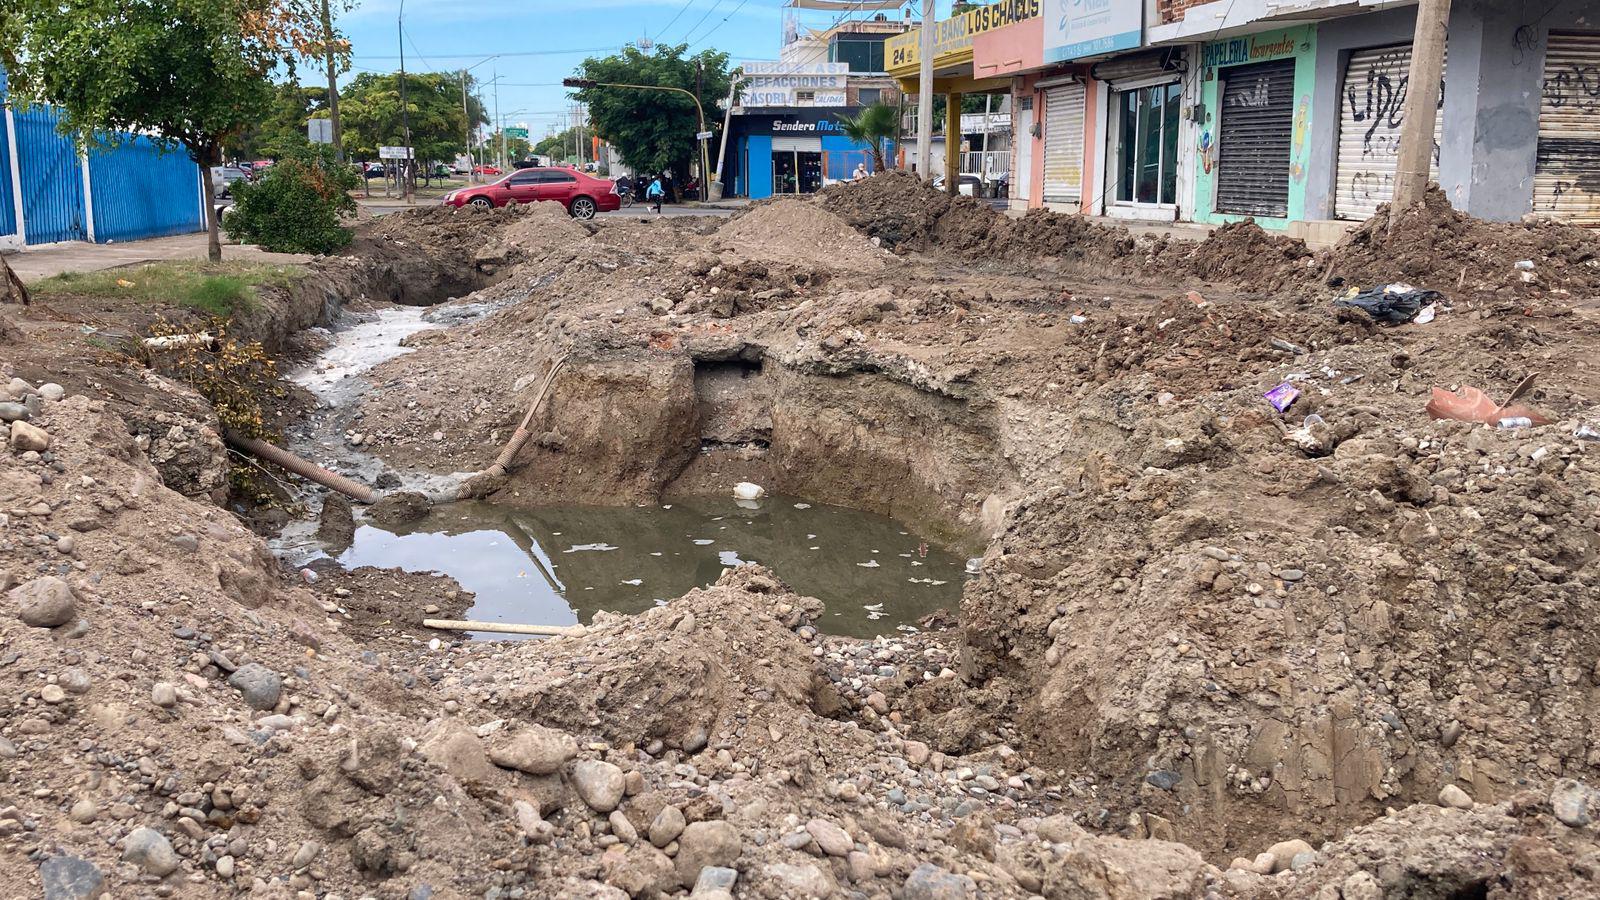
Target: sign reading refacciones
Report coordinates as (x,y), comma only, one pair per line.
(1074,29)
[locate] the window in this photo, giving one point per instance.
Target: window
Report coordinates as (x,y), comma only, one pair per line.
(805,96)
(863,52)
(525,176)
(556,176)
(869,96)
(1147,144)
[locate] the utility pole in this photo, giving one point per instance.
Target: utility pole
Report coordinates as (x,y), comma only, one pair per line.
(925,94)
(466,116)
(699,88)
(333,81)
(407,164)
(1422,99)
(498,119)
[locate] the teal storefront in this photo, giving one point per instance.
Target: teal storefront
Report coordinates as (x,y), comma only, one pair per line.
(1254,144)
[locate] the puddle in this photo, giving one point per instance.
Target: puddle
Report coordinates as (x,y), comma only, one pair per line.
(559,565)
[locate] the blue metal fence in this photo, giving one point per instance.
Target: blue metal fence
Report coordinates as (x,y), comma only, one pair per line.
(134,190)
(139,191)
(52,179)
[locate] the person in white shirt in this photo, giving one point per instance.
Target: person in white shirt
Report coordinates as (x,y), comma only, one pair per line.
(860,172)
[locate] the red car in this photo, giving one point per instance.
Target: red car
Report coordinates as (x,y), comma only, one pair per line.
(583,195)
(486,170)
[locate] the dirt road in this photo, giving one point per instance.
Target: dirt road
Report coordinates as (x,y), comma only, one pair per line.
(1229,638)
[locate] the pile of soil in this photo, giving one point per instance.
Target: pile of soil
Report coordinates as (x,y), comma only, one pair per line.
(1436,246)
(799,232)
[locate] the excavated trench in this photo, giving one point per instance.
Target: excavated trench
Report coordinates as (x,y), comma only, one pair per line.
(876,521)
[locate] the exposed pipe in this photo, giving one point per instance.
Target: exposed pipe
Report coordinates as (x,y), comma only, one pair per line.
(502,463)
(301,467)
(504,627)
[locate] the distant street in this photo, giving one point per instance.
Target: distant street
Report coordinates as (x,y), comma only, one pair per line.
(383,207)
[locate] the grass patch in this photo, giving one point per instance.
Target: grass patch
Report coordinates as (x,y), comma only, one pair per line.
(217,289)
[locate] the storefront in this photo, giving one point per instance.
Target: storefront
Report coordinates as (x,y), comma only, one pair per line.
(1566,174)
(1256,92)
(792,151)
(1145,173)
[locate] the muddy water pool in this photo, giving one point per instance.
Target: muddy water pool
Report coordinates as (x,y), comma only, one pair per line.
(559,565)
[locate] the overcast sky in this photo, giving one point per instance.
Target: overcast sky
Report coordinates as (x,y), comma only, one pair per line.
(451,35)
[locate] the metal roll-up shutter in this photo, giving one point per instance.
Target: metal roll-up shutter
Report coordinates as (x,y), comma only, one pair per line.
(802,144)
(1371,109)
(1566,174)
(1063,143)
(1257,128)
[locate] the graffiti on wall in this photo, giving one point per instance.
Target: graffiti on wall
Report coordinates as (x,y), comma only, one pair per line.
(1302,127)
(1573,86)
(1374,102)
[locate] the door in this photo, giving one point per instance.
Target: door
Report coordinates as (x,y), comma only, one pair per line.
(522,186)
(557,185)
(1254,135)
(1022,172)
(1566,173)
(1147,145)
(1371,110)
(809,163)
(1063,143)
(783,172)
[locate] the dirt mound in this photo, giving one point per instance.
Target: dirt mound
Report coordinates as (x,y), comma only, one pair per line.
(1436,246)
(538,228)
(895,206)
(429,254)
(799,232)
(1242,252)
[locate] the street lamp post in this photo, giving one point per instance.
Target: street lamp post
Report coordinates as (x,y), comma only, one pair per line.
(700,114)
(406,164)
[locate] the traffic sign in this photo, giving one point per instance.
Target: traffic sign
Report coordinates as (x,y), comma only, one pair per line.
(703,136)
(394,153)
(517,132)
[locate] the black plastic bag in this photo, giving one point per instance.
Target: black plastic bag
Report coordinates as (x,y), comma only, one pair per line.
(1395,304)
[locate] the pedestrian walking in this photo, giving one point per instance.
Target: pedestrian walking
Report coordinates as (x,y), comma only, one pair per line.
(655,192)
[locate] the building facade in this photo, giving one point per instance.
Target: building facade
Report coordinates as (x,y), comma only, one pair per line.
(1289,111)
(785,133)
(54,189)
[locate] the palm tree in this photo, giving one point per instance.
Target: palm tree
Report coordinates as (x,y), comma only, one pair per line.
(872,126)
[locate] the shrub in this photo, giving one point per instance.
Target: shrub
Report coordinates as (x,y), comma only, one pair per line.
(294,208)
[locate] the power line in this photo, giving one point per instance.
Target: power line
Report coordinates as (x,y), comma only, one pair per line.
(479,53)
(721,23)
(702,20)
(674,18)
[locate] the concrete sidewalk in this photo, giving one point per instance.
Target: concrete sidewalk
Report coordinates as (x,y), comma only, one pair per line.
(43,262)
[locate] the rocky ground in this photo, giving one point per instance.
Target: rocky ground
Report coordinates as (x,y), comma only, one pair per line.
(1215,650)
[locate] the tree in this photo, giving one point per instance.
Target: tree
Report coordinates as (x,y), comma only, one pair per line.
(370,106)
(184,72)
(872,126)
(282,131)
(653,130)
(559,145)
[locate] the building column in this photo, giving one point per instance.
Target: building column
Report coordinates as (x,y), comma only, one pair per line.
(952,144)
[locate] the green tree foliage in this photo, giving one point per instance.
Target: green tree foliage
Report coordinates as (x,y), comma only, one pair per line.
(873,126)
(296,206)
(189,72)
(282,132)
(370,108)
(557,146)
(653,130)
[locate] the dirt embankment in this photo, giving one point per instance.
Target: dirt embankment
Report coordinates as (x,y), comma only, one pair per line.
(1211,645)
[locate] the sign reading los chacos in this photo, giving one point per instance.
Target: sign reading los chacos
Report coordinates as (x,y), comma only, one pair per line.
(778,83)
(1074,29)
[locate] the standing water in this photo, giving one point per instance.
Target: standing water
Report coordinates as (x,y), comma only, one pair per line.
(560,565)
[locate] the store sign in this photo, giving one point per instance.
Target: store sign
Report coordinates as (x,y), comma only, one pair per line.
(394,152)
(1254,48)
(952,37)
(754,67)
(1074,29)
(826,125)
(804,81)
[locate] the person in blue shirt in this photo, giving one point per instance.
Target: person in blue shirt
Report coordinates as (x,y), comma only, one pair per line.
(655,192)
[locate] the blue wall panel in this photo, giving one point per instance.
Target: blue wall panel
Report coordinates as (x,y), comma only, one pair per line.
(52,179)
(138,191)
(8,206)
(758,150)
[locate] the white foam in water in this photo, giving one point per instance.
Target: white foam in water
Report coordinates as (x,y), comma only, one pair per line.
(633,581)
(701,542)
(869,564)
(579,548)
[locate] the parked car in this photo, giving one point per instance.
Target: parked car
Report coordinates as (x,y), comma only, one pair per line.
(488,170)
(969,185)
(223,177)
(373,170)
(582,195)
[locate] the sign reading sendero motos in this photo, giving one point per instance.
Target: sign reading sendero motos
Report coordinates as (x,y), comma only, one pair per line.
(953,36)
